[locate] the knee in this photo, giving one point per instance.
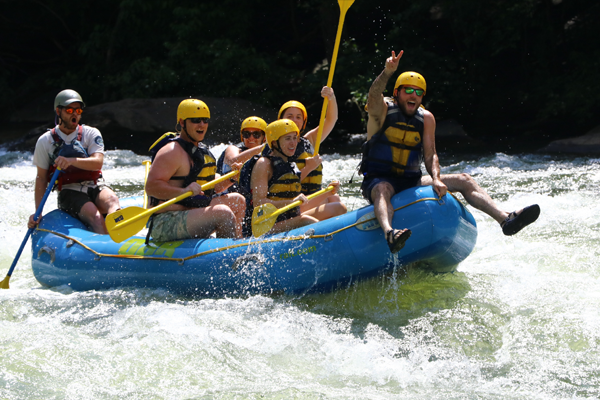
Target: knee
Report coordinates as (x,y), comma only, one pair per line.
(382,189)
(340,208)
(223,213)
(238,200)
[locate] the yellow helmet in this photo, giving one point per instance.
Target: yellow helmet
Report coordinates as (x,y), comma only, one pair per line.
(297,104)
(192,108)
(280,128)
(253,122)
(410,78)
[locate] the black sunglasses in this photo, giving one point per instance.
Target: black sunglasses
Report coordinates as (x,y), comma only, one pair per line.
(198,120)
(256,134)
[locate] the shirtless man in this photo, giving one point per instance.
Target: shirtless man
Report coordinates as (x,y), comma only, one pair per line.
(182,165)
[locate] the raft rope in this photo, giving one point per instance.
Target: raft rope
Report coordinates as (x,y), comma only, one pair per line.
(246,244)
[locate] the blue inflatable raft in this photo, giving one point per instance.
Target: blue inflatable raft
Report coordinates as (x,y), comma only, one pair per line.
(318,257)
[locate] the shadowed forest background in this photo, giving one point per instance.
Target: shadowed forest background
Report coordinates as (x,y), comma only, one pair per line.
(516,74)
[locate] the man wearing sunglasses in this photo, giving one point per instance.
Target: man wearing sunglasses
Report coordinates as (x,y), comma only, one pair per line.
(78,150)
(182,163)
(400,135)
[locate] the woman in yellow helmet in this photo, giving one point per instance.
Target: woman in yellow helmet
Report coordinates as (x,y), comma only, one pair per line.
(276,179)
(252,135)
(295,111)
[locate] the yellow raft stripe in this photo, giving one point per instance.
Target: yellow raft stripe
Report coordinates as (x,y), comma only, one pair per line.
(246,244)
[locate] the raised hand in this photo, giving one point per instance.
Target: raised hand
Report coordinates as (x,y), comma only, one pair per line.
(391,64)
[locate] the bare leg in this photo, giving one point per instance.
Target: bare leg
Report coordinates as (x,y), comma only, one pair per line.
(107,201)
(472,192)
(324,207)
(326,211)
(91,216)
(381,196)
(293,223)
(201,222)
(237,203)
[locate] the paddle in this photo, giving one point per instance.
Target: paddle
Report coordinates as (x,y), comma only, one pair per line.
(125,223)
(264,216)
(146,164)
(344,6)
(38,212)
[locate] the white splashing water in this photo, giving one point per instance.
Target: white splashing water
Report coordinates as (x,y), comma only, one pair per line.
(519,320)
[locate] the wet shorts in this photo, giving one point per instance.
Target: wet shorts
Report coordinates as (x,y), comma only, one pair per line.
(72,201)
(399,184)
(170,225)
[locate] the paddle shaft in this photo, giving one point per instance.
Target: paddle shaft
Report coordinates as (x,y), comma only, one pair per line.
(146,164)
(292,205)
(344,6)
(152,210)
(37,214)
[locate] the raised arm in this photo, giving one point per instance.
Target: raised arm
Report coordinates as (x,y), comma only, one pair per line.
(376,107)
(331,117)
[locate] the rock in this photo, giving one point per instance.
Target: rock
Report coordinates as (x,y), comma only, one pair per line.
(449,128)
(586,144)
(134,124)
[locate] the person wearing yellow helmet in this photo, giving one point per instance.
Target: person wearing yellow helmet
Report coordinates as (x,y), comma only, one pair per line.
(182,163)
(400,136)
(252,135)
(276,179)
(295,111)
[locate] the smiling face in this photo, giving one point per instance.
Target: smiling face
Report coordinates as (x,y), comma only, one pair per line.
(408,103)
(196,131)
(287,144)
(69,121)
(249,140)
(296,115)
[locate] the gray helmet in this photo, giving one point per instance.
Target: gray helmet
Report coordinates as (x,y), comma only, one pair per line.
(67,97)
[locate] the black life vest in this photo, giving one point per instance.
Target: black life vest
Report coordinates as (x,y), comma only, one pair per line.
(74,149)
(397,149)
(284,185)
(312,182)
(202,170)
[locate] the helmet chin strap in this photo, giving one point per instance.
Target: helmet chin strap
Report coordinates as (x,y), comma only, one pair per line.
(184,129)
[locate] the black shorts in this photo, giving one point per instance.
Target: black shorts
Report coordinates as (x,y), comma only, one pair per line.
(399,184)
(72,201)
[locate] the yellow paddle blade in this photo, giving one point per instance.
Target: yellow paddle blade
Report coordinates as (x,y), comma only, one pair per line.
(119,232)
(263,219)
(4,283)
(345,5)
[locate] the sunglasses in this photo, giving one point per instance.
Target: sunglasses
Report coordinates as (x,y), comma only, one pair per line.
(256,134)
(77,111)
(418,92)
(198,120)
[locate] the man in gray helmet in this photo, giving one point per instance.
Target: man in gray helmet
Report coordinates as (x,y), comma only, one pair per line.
(78,150)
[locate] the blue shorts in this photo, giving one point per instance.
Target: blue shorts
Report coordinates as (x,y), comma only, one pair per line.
(399,184)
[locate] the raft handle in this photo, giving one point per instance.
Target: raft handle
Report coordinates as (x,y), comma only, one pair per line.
(50,251)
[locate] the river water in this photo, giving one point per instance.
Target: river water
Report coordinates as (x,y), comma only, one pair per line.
(519,319)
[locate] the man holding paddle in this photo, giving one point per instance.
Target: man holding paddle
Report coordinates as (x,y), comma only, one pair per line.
(400,135)
(78,150)
(182,165)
